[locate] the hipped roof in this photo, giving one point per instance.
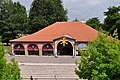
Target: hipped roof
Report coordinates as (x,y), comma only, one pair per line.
(76,30)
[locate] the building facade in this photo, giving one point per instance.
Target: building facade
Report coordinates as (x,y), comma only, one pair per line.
(60,38)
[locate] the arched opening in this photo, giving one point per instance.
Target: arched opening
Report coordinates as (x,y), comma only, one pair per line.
(66,49)
(19,49)
(47,49)
(33,49)
(81,46)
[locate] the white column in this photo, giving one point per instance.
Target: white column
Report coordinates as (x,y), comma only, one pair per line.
(12,49)
(26,51)
(55,48)
(40,49)
(74,49)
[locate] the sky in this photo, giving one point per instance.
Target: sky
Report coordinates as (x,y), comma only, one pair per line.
(82,9)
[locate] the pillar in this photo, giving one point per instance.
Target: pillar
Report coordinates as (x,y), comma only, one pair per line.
(74,48)
(26,51)
(40,49)
(55,49)
(12,49)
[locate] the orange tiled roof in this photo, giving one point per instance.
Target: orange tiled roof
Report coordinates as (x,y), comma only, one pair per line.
(76,30)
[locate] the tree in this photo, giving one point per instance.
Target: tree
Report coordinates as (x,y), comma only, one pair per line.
(112,20)
(14,20)
(76,20)
(102,59)
(8,71)
(45,12)
(94,23)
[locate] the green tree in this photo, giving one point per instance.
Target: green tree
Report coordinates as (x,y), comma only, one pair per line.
(76,20)
(94,23)
(112,20)
(14,20)
(8,71)
(45,12)
(102,59)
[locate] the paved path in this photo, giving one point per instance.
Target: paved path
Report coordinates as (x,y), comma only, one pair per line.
(47,68)
(48,71)
(44,59)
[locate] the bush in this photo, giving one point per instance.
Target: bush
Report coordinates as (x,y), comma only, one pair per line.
(8,71)
(101,61)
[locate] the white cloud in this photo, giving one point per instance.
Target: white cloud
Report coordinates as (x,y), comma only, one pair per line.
(85,2)
(70,1)
(73,1)
(94,2)
(82,9)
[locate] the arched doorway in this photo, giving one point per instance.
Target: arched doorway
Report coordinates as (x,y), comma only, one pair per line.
(19,49)
(33,49)
(66,49)
(47,49)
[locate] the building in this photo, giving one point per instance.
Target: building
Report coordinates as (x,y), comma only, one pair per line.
(60,38)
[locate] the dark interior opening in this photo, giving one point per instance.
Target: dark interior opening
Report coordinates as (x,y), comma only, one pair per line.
(65,50)
(19,52)
(32,52)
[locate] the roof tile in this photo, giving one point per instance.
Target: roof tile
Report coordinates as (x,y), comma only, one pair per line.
(76,30)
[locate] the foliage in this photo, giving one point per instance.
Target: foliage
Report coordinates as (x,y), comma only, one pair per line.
(45,12)
(102,59)
(76,20)
(7,50)
(8,71)
(112,20)
(94,23)
(13,21)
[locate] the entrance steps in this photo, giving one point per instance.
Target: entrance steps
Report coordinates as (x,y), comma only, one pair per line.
(48,71)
